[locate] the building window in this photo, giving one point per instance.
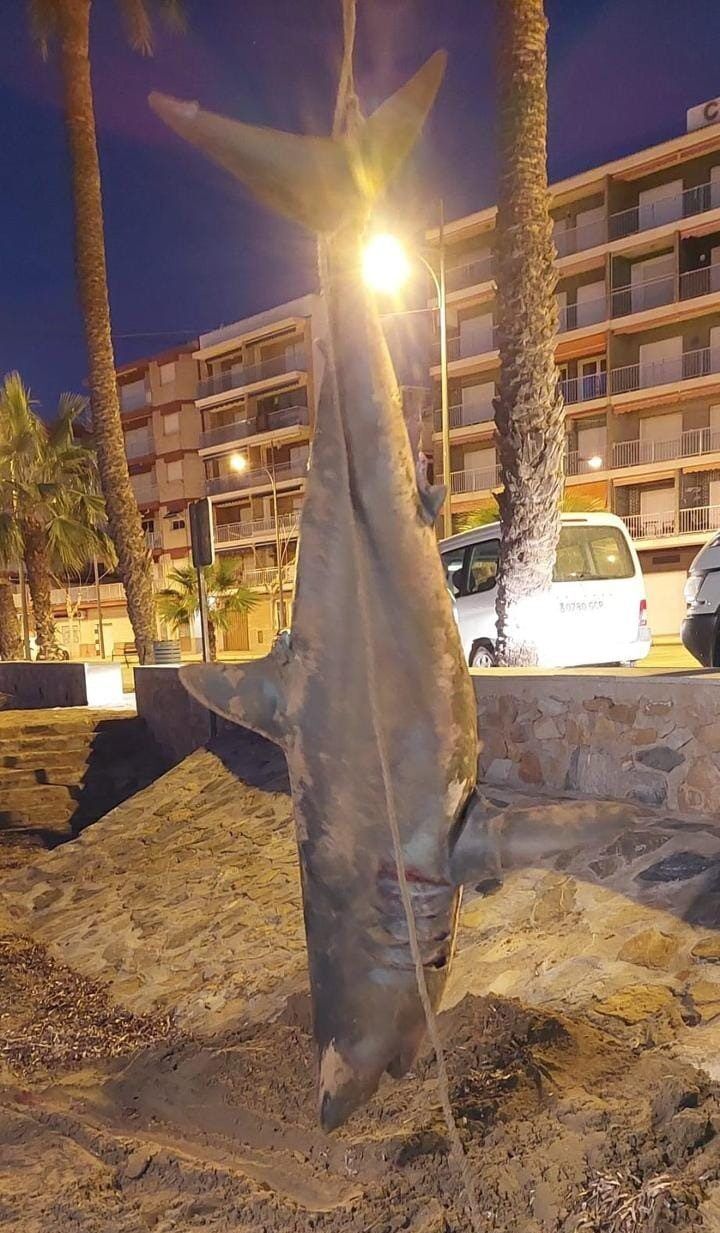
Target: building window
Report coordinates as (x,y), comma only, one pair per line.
(178,524)
(174,470)
(148,525)
(133,394)
(167,373)
(171,423)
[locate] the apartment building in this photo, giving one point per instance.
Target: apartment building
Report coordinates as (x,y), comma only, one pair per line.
(638,349)
(259,380)
(162,433)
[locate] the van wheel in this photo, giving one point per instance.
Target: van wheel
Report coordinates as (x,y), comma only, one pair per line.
(482,656)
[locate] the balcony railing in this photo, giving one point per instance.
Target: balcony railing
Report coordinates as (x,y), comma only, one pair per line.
(586,312)
(110,592)
(638,297)
(641,453)
(236,480)
(263,422)
(230,532)
(268,577)
(685,367)
(481,270)
(463,417)
(584,389)
(133,400)
(666,210)
(240,375)
(704,281)
(461,347)
(577,239)
(474,481)
(576,463)
(695,521)
(139,447)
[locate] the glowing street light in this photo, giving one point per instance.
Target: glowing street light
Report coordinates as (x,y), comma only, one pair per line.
(595,462)
(238,462)
(386,267)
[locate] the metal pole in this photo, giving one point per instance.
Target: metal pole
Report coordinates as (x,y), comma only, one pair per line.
(24,609)
(204,631)
(278,556)
(444,402)
(101,632)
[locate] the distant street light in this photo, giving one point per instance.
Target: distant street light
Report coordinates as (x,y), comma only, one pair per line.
(595,462)
(386,267)
(239,463)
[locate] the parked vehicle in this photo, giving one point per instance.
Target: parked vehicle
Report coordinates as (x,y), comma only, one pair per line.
(700,631)
(598,608)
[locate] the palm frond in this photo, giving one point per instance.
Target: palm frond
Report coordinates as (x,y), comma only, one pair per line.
(138,25)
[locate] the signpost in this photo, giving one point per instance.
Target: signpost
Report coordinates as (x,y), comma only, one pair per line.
(202,544)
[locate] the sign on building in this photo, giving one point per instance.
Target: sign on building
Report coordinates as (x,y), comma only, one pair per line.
(703,114)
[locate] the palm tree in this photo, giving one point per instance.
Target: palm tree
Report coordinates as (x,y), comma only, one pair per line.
(180,603)
(529,408)
(10,641)
(68,22)
(53,512)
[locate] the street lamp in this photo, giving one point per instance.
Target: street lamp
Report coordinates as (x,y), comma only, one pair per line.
(239,463)
(386,266)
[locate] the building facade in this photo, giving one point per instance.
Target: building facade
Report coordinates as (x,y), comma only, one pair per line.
(638,351)
(161,426)
(259,381)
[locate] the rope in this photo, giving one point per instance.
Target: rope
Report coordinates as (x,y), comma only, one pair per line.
(347,115)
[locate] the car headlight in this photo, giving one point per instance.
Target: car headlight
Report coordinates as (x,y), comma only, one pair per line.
(692,586)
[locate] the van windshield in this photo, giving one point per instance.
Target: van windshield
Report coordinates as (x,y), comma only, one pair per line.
(592,553)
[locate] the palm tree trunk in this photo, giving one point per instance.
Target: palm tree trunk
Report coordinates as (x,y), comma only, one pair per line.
(123,515)
(37,564)
(10,640)
(529,409)
(212,640)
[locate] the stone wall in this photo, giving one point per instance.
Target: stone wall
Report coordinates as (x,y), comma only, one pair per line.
(179,724)
(651,739)
(27,686)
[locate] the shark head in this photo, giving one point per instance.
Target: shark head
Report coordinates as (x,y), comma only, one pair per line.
(321,182)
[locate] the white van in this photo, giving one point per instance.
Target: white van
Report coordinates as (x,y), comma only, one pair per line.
(598,609)
(700,631)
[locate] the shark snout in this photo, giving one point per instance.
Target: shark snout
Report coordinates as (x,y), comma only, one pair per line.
(350,1074)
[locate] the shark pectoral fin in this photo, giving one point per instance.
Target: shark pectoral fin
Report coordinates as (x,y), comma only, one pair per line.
(247,694)
(305,178)
(392,130)
(432,499)
(522,836)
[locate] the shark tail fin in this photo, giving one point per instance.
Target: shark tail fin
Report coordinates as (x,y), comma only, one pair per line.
(317,181)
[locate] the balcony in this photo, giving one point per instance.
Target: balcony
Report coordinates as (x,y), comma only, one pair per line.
(133,400)
(268,578)
(586,313)
(464,348)
(577,239)
(575,463)
(685,367)
(462,482)
(583,389)
(639,297)
(139,447)
(110,592)
(705,281)
(481,270)
(687,445)
(232,532)
(240,375)
(263,422)
(463,417)
(237,480)
(145,494)
(675,206)
(698,520)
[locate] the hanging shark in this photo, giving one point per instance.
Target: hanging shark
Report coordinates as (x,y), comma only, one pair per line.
(371,613)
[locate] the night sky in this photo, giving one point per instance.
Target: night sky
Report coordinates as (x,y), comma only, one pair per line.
(187,251)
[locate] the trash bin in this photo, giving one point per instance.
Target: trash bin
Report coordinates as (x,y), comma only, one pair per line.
(167,651)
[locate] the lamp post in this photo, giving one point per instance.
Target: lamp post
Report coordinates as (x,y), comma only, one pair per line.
(239,463)
(386,267)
